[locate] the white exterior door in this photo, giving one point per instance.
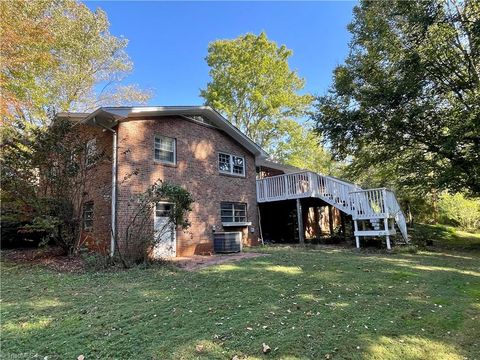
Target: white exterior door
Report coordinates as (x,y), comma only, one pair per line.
(164,232)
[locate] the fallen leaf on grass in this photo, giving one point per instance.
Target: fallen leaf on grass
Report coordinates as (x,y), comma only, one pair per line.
(266,349)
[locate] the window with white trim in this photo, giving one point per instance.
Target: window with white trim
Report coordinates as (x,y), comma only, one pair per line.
(88,215)
(91,152)
(165,149)
(231,164)
(232,212)
(163,209)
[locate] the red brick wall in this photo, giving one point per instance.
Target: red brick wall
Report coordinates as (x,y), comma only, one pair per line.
(196,170)
(98,188)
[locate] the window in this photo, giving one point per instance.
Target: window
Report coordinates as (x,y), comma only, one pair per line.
(88,215)
(90,152)
(163,209)
(165,149)
(233,212)
(231,164)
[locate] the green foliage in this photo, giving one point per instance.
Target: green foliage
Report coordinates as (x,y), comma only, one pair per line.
(300,147)
(459,210)
(444,238)
(321,304)
(138,239)
(408,96)
(54,55)
(44,178)
(253,85)
(95,261)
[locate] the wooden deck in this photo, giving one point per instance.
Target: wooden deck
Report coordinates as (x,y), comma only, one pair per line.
(362,204)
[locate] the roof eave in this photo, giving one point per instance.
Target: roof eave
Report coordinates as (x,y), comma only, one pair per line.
(110,116)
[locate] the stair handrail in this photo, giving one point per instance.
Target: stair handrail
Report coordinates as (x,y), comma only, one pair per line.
(376,203)
(397,213)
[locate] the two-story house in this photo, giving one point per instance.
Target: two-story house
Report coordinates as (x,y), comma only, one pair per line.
(192,146)
(229,176)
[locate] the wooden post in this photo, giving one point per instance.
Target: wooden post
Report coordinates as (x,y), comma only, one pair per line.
(385,220)
(342,224)
(330,219)
(301,231)
(318,226)
(357,238)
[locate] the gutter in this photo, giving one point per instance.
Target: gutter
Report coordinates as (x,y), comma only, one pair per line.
(114,188)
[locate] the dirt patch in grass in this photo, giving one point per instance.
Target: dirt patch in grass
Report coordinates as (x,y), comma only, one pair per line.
(196,262)
(52,258)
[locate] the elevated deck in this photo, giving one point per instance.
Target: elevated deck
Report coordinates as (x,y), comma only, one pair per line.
(370,204)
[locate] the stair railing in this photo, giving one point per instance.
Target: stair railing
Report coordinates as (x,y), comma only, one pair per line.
(348,197)
(396,212)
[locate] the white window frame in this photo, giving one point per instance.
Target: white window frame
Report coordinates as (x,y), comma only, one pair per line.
(84,218)
(174,162)
(231,158)
(235,221)
(159,204)
(90,152)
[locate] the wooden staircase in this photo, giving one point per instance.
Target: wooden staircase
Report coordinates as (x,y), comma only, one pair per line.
(375,212)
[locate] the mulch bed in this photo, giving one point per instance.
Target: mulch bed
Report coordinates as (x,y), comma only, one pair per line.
(53,258)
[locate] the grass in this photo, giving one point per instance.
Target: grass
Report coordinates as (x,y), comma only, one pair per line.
(315,304)
(446,237)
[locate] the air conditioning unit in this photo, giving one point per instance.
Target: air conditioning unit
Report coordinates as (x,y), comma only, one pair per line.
(227,242)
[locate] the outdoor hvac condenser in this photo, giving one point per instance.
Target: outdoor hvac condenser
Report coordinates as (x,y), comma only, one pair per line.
(227,242)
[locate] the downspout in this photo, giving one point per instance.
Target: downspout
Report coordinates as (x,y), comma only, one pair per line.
(114,188)
(114,193)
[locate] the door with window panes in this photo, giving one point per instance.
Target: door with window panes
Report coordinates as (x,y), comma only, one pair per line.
(164,231)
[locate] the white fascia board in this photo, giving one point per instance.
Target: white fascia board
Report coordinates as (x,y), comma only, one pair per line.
(216,118)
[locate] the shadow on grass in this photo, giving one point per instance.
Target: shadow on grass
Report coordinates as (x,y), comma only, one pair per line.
(303,304)
(440,237)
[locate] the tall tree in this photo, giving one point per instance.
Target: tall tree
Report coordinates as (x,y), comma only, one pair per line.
(54,56)
(409,93)
(253,86)
(301,147)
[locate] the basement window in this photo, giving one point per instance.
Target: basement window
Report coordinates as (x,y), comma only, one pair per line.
(234,214)
(88,215)
(90,152)
(231,164)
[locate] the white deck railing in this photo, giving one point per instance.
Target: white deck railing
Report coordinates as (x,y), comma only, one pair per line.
(396,212)
(307,184)
(348,197)
(369,204)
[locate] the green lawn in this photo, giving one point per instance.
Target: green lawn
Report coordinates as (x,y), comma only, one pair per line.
(447,237)
(314,304)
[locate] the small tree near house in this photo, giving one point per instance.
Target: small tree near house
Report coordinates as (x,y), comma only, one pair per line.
(137,240)
(45,179)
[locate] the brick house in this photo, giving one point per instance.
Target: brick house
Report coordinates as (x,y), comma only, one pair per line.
(194,147)
(231,180)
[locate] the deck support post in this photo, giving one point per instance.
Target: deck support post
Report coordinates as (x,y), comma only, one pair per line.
(330,219)
(385,220)
(357,238)
(342,224)
(301,231)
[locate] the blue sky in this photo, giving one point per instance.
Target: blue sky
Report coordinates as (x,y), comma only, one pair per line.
(168,40)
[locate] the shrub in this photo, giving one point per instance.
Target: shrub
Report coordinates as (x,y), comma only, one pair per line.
(407,249)
(460,211)
(95,261)
(139,236)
